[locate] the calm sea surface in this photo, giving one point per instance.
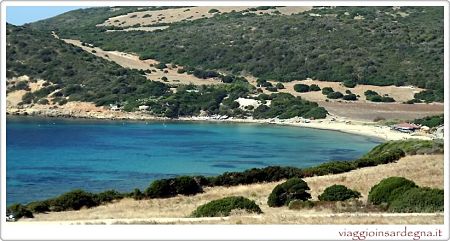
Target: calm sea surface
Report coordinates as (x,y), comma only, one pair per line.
(46,157)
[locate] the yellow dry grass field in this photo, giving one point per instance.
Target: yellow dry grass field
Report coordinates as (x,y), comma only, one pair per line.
(168,16)
(133,62)
(400,94)
(378,111)
(424,170)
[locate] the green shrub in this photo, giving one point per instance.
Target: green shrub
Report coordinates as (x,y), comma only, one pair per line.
(299,204)
(39,206)
(301,88)
(164,188)
(19,211)
(350,97)
(430,121)
(388,189)
(314,87)
(327,90)
(292,189)
(73,200)
(418,200)
(223,207)
(338,193)
(136,194)
(107,196)
(213,10)
(333,167)
(335,95)
(280,86)
(349,83)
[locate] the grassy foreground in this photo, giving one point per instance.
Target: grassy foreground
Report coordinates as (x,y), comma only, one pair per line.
(424,170)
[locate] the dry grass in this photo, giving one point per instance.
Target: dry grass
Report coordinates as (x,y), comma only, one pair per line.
(388,111)
(400,94)
(186,14)
(424,170)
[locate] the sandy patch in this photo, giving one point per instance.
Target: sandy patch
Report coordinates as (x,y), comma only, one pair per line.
(424,170)
(133,62)
(400,94)
(388,111)
(186,14)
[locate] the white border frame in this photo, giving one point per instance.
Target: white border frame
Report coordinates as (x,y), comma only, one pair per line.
(31,231)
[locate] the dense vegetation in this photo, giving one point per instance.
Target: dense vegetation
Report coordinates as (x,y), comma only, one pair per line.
(416,200)
(388,189)
(223,207)
(293,189)
(360,45)
(402,195)
(338,193)
(75,75)
(164,188)
(430,121)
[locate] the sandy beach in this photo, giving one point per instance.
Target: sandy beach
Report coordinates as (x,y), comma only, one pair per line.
(90,111)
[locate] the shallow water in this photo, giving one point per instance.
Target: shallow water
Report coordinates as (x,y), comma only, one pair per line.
(46,157)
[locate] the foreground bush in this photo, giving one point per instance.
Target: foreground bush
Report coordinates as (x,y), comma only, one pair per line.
(39,206)
(164,188)
(389,189)
(419,200)
(73,200)
(19,211)
(338,193)
(223,207)
(292,189)
(107,196)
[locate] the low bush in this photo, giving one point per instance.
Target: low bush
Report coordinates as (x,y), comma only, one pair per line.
(73,200)
(314,87)
(327,90)
(19,211)
(107,196)
(223,207)
(418,200)
(39,206)
(349,84)
(350,97)
(164,188)
(335,95)
(136,194)
(299,204)
(256,175)
(333,167)
(292,189)
(338,193)
(388,189)
(301,88)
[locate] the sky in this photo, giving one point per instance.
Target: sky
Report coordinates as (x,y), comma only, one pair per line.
(21,15)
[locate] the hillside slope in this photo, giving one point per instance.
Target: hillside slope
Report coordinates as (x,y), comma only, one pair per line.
(367,45)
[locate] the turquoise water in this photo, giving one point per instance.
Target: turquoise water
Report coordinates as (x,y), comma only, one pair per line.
(46,157)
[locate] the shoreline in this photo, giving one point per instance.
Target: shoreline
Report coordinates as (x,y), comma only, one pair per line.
(331,123)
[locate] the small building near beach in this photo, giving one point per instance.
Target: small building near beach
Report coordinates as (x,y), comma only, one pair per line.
(406,127)
(144,107)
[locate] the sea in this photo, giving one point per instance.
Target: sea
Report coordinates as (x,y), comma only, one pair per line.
(47,157)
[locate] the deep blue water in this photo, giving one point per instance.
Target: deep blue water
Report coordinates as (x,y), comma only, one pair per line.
(46,157)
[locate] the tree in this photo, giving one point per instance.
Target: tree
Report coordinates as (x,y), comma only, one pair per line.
(292,189)
(338,193)
(301,88)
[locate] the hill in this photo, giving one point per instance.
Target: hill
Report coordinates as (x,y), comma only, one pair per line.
(367,45)
(69,73)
